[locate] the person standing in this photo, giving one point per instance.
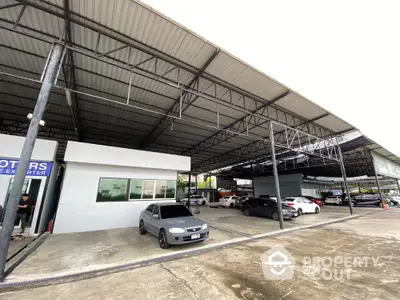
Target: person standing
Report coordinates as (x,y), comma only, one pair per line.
(23,208)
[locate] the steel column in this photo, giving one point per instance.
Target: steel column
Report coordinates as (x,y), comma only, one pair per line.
(398,186)
(15,194)
(190,181)
(346,184)
(275,171)
(379,186)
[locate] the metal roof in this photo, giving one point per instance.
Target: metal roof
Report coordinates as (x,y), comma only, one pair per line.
(140,80)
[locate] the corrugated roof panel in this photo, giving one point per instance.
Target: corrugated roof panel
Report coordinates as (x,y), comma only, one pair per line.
(22,61)
(19,41)
(383,152)
(333,123)
(200,115)
(142,24)
(300,106)
(10,13)
(114,109)
(43,21)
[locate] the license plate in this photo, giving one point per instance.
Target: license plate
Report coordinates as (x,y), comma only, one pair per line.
(195,236)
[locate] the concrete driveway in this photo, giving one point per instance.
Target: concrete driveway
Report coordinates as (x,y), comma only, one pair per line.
(236,273)
(80,252)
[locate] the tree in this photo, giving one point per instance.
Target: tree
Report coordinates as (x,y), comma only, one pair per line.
(181,185)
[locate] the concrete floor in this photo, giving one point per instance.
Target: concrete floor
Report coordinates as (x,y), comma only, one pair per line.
(64,253)
(235,273)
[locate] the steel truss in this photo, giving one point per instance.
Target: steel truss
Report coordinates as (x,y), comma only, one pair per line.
(256,112)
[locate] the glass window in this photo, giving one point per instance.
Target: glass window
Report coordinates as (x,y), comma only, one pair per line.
(161,187)
(136,189)
(148,189)
(171,187)
(174,211)
(150,208)
(156,210)
(112,189)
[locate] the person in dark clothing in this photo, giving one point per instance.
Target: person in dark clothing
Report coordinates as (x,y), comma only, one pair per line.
(23,208)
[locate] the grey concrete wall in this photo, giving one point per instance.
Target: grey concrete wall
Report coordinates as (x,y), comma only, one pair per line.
(290,185)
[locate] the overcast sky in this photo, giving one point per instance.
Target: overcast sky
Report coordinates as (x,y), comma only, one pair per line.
(343,55)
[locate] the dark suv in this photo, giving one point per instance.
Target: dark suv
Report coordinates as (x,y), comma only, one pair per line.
(364,199)
(266,208)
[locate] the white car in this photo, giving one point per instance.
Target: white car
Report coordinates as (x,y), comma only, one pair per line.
(195,199)
(302,205)
(228,201)
(334,200)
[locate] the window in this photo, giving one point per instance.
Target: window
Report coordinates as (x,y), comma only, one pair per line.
(161,187)
(150,208)
(174,211)
(136,189)
(156,210)
(148,189)
(112,189)
(119,189)
(171,187)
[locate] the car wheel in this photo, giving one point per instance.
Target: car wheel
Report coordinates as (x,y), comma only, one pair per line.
(317,210)
(300,211)
(275,216)
(142,230)
(391,203)
(203,203)
(162,239)
(231,205)
(246,212)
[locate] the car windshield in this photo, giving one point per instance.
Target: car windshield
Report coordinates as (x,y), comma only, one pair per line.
(174,211)
(290,199)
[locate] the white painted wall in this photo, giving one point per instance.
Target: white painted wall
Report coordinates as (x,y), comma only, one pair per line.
(290,185)
(11,147)
(105,155)
(311,189)
(78,210)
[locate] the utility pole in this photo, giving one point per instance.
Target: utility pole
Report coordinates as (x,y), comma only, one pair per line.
(50,74)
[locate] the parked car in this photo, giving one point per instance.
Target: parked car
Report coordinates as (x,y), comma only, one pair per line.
(173,224)
(394,200)
(366,199)
(266,208)
(228,201)
(302,205)
(194,200)
(316,200)
(333,200)
(238,202)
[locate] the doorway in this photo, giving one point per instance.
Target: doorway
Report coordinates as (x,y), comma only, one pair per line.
(31,187)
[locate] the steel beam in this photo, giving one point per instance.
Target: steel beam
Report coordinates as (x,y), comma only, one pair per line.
(276,177)
(239,126)
(177,106)
(378,184)
(15,193)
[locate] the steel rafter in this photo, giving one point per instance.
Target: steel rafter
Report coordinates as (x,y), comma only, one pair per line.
(180,105)
(69,76)
(123,39)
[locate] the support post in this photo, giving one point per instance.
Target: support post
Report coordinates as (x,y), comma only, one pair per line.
(190,181)
(209,187)
(359,187)
(276,178)
(23,164)
(398,186)
(343,170)
(379,187)
(195,182)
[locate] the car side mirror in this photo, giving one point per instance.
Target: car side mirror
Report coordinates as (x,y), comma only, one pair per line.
(155,216)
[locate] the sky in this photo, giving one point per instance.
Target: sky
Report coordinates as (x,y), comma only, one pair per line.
(344,55)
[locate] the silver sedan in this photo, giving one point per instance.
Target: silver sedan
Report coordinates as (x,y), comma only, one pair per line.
(173,224)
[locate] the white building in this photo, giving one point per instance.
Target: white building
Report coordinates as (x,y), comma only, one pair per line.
(39,183)
(107,187)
